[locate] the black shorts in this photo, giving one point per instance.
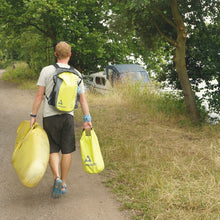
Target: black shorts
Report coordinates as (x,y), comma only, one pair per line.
(60,132)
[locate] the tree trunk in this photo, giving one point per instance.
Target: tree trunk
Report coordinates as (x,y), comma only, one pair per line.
(180,65)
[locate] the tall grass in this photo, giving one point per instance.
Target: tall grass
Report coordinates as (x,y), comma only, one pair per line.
(158,165)
(21,74)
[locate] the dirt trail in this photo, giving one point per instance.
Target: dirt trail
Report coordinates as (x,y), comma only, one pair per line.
(87,198)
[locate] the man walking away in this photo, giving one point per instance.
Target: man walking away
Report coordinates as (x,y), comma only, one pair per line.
(59,126)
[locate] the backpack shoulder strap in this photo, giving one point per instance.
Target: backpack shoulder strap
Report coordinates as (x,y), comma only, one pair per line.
(77,73)
(71,69)
(56,65)
(54,74)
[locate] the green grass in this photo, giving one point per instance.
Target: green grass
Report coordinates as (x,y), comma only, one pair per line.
(158,165)
(20,75)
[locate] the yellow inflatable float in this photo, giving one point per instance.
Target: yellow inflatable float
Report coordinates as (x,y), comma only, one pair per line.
(31,153)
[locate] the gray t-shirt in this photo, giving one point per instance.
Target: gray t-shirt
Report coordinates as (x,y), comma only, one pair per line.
(46,80)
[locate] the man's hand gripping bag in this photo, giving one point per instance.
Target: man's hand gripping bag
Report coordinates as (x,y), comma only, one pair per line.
(31,153)
(90,152)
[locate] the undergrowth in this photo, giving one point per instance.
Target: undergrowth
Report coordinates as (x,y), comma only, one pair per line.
(21,75)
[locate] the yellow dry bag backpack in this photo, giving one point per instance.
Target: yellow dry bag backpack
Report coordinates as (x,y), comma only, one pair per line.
(64,92)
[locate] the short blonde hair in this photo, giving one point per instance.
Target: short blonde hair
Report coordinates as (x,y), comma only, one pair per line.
(62,50)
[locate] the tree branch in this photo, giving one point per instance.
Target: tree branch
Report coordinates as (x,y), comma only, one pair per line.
(163,36)
(159,31)
(34,25)
(165,18)
(46,33)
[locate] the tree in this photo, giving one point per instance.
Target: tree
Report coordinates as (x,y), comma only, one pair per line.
(155,20)
(82,23)
(202,58)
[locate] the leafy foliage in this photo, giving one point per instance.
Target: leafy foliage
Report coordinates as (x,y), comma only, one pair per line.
(152,21)
(109,31)
(82,23)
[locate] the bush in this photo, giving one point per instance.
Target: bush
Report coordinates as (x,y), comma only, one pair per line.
(5,63)
(20,74)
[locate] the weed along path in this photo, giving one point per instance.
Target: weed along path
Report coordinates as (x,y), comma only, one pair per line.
(87,198)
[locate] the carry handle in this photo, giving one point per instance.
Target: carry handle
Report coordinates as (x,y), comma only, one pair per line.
(87,132)
(21,141)
(34,126)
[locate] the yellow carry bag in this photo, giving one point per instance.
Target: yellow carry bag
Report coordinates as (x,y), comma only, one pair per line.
(31,153)
(90,152)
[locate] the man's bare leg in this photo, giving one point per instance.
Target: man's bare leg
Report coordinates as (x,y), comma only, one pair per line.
(65,166)
(54,164)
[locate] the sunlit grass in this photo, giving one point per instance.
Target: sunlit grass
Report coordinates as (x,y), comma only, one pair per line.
(157,164)
(20,75)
